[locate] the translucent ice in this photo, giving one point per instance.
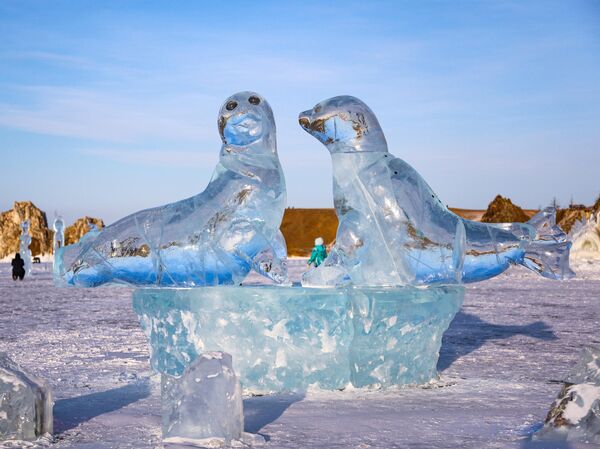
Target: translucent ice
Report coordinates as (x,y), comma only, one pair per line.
(24,242)
(205,402)
(59,234)
(585,235)
(393,229)
(285,338)
(575,415)
(587,369)
(215,237)
(25,403)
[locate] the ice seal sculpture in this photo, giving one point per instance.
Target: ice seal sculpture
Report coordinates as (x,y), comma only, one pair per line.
(393,229)
(213,238)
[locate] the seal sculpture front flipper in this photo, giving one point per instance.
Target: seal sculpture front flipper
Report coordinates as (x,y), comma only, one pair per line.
(213,238)
(393,229)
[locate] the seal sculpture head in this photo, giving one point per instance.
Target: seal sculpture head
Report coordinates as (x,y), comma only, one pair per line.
(344,124)
(246,122)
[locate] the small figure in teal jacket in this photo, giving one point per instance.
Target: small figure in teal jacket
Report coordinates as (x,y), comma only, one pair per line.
(319,252)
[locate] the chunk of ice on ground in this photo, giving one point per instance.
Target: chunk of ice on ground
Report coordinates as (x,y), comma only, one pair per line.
(587,369)
(25,403)
(205,402)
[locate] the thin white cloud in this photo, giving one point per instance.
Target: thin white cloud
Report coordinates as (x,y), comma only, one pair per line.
(162,158)
(103,115)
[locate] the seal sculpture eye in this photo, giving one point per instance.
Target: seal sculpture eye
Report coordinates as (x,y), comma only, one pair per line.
(231,105)
(254,100)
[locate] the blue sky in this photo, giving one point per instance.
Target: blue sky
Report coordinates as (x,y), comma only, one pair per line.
(110,107)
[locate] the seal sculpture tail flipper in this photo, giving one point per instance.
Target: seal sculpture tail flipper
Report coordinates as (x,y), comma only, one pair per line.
(548,254)
(271,262)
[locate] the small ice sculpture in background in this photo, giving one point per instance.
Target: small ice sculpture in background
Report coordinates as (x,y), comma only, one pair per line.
(25,403)
(205,403)
(24,242)
(393,229)
(59,234)
(215,237)
(575,414)
(585,235)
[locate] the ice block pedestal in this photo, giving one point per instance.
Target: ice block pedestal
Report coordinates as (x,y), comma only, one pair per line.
(287,338)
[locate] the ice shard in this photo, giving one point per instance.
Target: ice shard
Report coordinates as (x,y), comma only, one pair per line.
(287,338)
(205,402)
(394,230)
(24,242)
(25,403)
(213,238)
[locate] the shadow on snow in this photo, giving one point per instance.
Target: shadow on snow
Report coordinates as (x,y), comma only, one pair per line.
(468,332)
(263,410)
(69,413)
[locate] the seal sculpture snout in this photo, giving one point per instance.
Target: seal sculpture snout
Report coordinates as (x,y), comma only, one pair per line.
(304,120)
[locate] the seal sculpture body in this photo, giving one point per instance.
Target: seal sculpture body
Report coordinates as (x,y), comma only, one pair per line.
(213,238)
(393,229)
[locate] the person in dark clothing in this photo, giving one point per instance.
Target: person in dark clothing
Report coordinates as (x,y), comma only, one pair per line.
(18,267)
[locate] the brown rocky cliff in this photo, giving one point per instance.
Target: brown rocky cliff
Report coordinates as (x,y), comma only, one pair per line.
(567,217)
(502,210)
(81,227)
(10,229)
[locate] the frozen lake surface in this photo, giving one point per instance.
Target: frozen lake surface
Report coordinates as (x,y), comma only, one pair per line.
(515,336)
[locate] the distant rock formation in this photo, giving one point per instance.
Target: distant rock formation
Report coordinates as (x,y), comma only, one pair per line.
(81,226)
(41,236)
(502,210)
(10,230)
(567,217)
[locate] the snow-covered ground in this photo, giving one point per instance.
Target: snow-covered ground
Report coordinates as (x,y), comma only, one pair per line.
(515,336)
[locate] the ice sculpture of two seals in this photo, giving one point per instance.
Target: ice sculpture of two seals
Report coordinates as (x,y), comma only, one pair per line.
(393,229)
(215,237)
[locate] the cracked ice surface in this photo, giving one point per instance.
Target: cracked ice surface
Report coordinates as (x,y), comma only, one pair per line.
(285,338)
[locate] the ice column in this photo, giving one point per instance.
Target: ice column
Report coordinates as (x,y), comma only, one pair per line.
(25,241)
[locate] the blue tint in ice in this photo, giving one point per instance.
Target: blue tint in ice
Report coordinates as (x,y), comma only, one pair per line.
(393,229)
(24,242)
(285,338)
(215,237)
